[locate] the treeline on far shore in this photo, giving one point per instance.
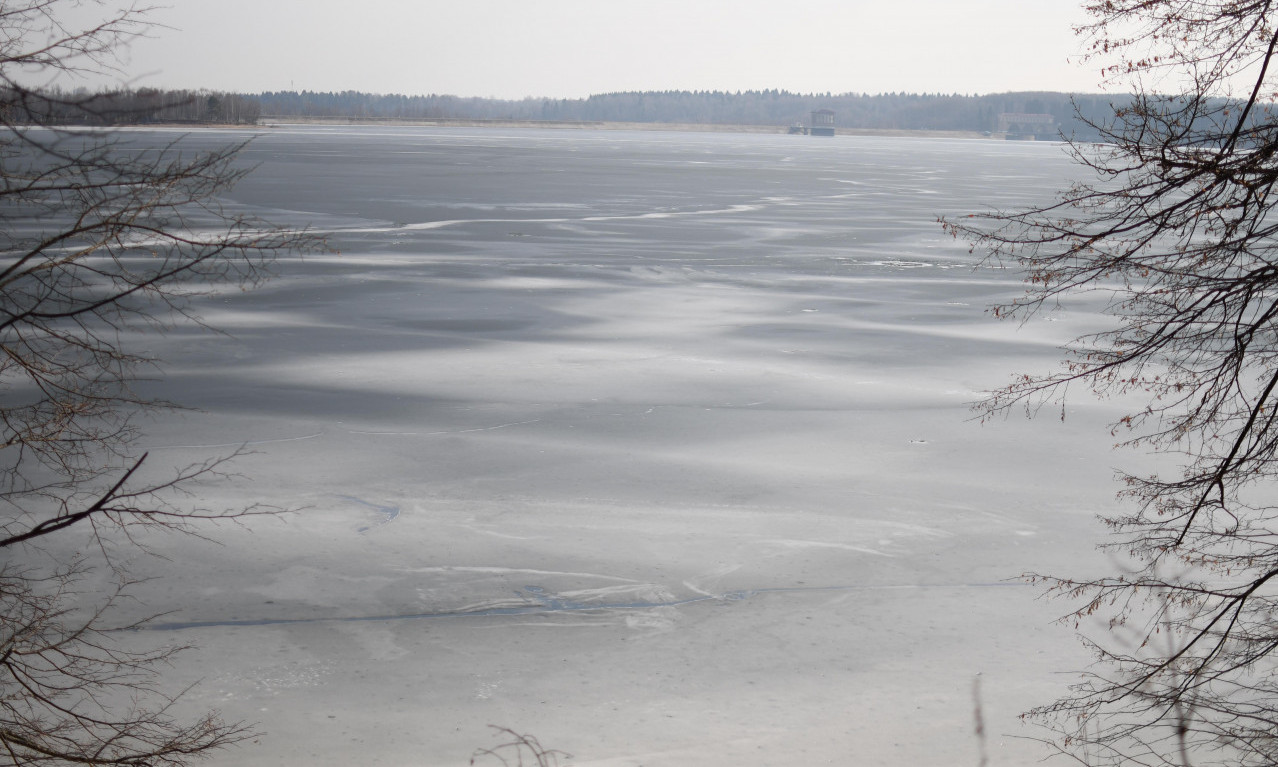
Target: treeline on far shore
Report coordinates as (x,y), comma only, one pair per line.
(128,107)
(888,111)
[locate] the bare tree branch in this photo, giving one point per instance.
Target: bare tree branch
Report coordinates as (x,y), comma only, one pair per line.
(1178,231)
(100,239)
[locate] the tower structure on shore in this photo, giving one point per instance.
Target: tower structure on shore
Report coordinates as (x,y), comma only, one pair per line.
(822,122)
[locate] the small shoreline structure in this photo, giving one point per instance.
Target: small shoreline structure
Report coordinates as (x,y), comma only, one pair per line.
(1019,126)
(822,123)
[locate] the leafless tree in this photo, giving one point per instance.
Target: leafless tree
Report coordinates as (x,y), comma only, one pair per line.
(1177,230)
(101,241)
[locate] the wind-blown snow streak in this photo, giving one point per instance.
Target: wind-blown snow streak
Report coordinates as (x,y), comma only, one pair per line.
(239,444)
(740,208)
(442,433)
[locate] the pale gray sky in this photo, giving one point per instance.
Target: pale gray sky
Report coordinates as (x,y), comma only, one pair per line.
(573,48)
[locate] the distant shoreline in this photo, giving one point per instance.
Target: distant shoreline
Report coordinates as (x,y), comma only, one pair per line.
(267,121)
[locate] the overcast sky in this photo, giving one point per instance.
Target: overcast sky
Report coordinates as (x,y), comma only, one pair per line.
(573,48)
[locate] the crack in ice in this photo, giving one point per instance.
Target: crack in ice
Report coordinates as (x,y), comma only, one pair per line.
(545,604)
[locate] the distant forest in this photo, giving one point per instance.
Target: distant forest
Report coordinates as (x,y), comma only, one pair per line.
(889,111)
(128,107)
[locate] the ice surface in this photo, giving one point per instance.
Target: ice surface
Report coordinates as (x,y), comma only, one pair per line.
(655,445)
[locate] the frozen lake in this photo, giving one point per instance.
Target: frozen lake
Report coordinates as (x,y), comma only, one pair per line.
(655,445)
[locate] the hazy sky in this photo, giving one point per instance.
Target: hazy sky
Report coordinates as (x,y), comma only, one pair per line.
(573,48)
